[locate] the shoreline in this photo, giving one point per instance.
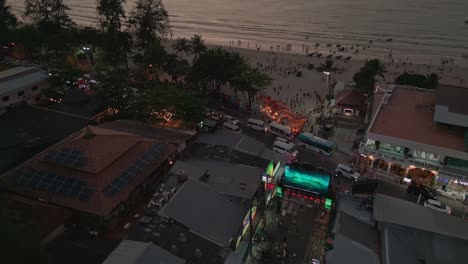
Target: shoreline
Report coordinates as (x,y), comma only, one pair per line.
(299,92)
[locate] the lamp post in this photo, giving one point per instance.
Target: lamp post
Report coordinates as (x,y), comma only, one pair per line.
(328,85)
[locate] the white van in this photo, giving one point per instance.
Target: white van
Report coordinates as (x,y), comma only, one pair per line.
(343,170)
(280,130)
(257,124)
(231,127)
(231,119)
(282,147)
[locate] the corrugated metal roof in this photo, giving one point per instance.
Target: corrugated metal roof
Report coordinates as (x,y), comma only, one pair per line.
(396,211)
(9,82)
(136,252)
(206,213)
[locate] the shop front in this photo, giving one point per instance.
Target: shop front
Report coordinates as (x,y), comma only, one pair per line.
(452,185)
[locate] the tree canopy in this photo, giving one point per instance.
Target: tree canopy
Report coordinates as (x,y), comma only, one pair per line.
(111,13)
(183,104)
(149,20)
(182,45)
(365,80)
(430,81)
(48,13)
(207,73)
(8,20)
(197,46)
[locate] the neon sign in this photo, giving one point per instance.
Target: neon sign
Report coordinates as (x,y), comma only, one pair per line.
(310,181)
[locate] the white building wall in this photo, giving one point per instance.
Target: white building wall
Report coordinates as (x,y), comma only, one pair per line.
(29,95)
(443,115)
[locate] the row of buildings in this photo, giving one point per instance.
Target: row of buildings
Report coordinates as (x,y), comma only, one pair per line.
(420,135)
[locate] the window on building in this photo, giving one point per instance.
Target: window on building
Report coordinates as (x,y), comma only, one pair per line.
(34,88)
(20,93)
(370,143)
(391,148)
(6,98)
(425,155)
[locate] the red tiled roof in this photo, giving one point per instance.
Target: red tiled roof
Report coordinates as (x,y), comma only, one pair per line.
(409,115)
(350,97)
(109,154)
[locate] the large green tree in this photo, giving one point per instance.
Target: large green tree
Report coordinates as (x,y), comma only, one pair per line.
(111,14)
(116,45)
(215,68)
(365,80)
(430,81)
(175,67)
(183,104)
(46,12)
(149,21)
(251,82)
(8,21)
(113,90)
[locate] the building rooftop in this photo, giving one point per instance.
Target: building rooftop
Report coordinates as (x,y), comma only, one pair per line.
(158,133)
(206,213)
(228,178)
(88,171)
(27,130)
(409,115)
(400,212)
(18,77)
(351,97)
(408,246)
(136,252)
(454,97)
(356,238)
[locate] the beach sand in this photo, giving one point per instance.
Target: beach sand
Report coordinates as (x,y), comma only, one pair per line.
(291,89)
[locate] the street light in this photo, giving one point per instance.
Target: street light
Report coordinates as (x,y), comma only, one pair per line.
(328,77)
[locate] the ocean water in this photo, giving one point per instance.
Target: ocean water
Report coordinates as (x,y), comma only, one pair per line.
(425,29)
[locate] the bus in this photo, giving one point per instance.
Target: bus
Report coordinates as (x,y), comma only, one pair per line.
(312,142)
(280,130)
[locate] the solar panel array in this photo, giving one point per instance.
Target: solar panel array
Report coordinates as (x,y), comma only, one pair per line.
(135,169)
(68,157)
(41,180)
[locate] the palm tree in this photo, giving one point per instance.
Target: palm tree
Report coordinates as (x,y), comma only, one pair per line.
(327,66)
(365,80)
(198,46)
(182,45)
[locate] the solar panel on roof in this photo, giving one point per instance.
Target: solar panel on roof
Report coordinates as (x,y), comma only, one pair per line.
(151,155)
(67,157)
(84,195)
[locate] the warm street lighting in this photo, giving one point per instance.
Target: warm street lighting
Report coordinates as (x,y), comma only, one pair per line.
(328,88)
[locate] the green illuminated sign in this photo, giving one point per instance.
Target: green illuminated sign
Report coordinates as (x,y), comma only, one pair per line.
(306,180)
(279,192)
(270,169)
(328,203)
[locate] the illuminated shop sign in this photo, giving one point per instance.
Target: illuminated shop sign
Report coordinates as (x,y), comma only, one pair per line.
(311,181)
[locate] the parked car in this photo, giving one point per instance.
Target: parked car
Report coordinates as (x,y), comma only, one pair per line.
(214,115)
(348,172)
(424,191)
(438,206)
(231,119)
(231,127)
